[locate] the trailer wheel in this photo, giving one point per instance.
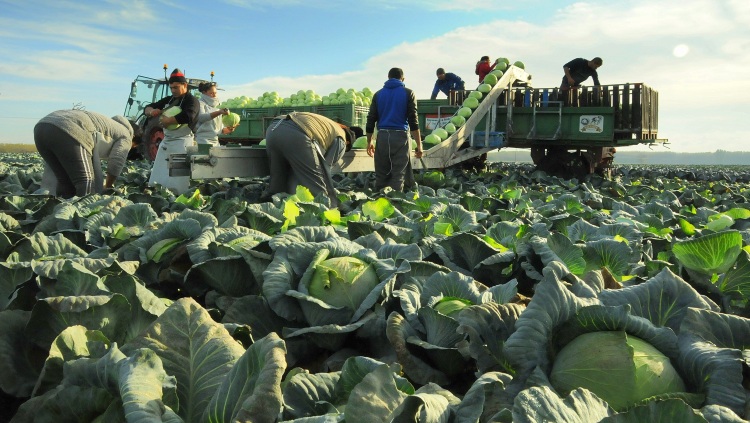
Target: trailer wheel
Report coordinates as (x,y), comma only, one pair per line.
(559,162)
(575,166)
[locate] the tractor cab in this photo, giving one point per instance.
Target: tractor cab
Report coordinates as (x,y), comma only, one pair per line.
(145,90)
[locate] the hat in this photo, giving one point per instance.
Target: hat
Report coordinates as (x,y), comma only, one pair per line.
(177,76)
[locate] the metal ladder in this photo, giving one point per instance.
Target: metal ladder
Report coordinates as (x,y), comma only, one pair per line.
(538,109)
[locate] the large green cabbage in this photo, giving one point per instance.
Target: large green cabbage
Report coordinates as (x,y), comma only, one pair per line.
(343,281)
(172,111)
(619,368)
(231,120)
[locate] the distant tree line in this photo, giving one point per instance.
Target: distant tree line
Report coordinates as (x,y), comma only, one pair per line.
(663,157)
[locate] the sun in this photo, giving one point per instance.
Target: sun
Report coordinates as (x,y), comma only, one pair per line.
(680,50)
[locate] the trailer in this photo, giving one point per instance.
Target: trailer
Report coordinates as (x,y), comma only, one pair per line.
(569,134)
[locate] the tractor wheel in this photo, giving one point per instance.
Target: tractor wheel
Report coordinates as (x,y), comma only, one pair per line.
(152,136)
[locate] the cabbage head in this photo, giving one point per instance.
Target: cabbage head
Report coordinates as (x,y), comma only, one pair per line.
(343,281)
(619,368)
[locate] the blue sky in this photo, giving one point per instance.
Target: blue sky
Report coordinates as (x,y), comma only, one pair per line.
(696,53)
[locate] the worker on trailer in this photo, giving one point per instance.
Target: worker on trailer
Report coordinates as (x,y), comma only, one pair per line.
(484,67)
(209,125)
(449,84)
(72,142)
(302,148)
(579,70)
(394,110)
(178,131)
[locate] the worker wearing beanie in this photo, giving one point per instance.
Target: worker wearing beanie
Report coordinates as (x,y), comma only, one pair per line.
(175,140)
(72,142)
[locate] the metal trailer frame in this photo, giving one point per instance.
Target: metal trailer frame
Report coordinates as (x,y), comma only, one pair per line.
(512,114)
(235,161)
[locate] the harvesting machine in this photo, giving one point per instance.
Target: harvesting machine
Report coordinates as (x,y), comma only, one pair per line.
(568,134)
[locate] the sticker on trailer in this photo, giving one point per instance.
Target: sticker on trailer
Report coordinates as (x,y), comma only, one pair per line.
(591,124)
(432,121)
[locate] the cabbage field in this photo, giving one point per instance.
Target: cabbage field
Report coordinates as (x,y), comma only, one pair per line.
(500,296)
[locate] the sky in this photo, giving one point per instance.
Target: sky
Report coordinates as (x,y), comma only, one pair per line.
(695,53)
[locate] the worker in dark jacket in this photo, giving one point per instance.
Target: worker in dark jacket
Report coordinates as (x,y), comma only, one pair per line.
(178,131)
(302,148)
(394,110)
(447,82)
(72,142)
(579,70)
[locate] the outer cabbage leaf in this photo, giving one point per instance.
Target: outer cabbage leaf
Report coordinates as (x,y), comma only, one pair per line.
(671,410)
(251,391)
(713,348)
(109,314)
(713,253)
(11,276)
(197,351)
(557,247)
(541,404)
(223,242)
(307,395)
(485,398)
(20,360)
(488,327)
(471,255)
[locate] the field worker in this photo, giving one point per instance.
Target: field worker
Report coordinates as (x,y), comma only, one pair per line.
(209,117)
(394,111)
(175,140)
(579,70)
(72,142)
(448,83)
(484,67)
(302,148)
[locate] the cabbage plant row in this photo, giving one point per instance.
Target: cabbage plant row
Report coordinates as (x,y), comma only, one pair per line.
(500,296)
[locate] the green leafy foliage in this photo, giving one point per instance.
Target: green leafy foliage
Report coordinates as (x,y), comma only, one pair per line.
(460,299)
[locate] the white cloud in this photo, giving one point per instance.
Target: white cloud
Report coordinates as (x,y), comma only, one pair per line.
(70,41)
(427,5)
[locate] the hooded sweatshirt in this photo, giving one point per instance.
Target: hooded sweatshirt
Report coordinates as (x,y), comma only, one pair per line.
(208,129)
(114,135)
(393,107)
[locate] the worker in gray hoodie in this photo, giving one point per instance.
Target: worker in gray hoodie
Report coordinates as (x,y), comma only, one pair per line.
(72,142)
(210,125)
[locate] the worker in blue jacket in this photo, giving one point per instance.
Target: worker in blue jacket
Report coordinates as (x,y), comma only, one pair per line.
(447,82)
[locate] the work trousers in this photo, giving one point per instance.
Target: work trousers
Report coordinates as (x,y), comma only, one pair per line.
(294,159)
(393,160)
(77,172)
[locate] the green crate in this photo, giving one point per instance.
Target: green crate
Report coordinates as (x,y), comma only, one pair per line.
(285,110)
(255,112)
(431,106)
(348,114)
(432,109)
(253,122)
